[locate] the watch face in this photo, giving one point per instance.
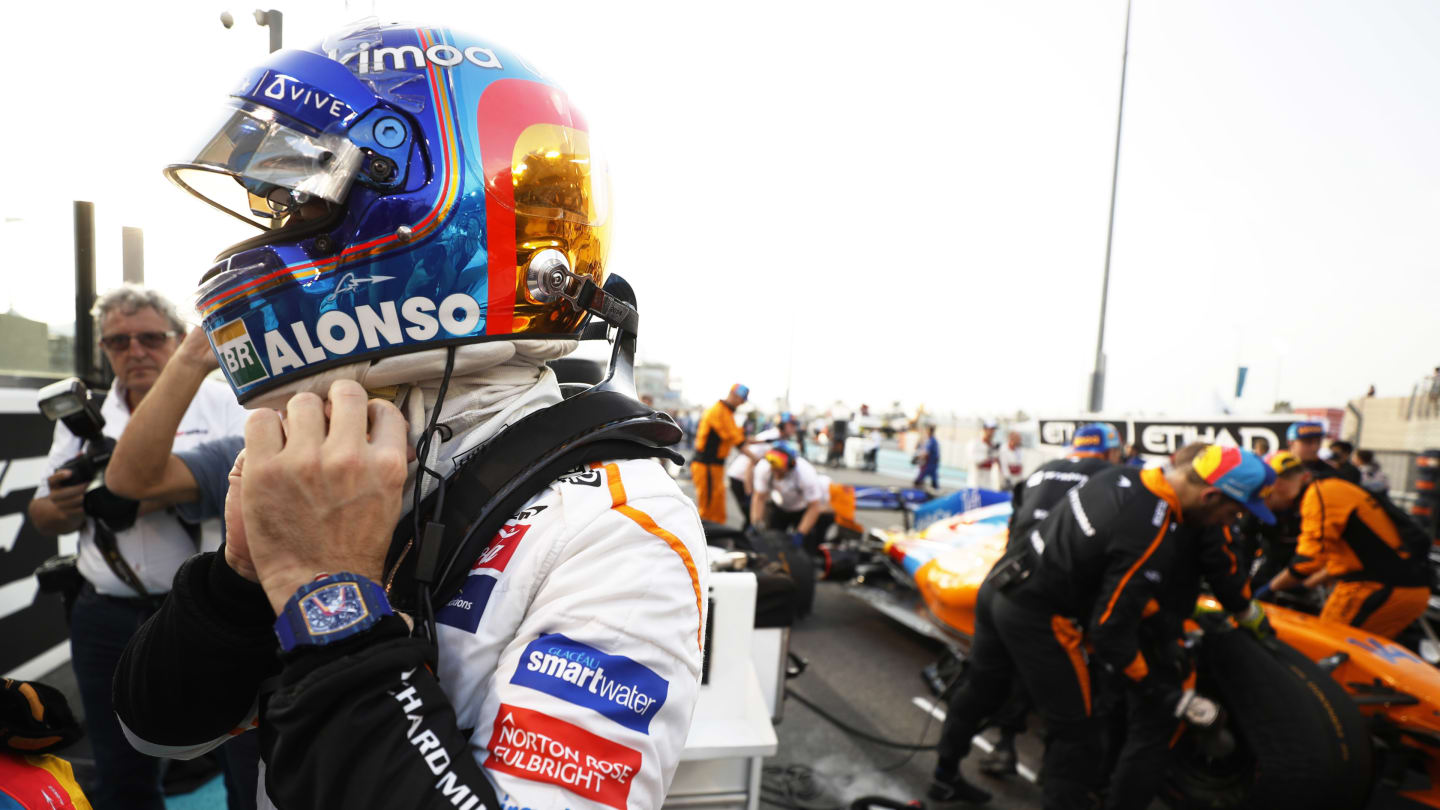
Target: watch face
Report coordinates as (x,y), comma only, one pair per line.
(333,608)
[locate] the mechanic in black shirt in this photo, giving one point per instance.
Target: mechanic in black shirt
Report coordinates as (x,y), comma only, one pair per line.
(1095,447)
(1143,721)
(1098,559)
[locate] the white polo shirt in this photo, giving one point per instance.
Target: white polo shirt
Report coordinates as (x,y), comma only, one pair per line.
(157,544)
(739,462)
(984,465)
(802,487)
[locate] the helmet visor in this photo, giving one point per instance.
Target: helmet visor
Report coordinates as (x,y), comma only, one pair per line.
(554,174)
(261,166)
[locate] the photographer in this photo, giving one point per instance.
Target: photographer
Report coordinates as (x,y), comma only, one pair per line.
(146,465)
(128,561)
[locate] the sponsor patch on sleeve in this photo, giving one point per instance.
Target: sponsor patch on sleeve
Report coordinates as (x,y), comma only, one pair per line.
(502,547)
(541,748)
(620,688)
(468,605)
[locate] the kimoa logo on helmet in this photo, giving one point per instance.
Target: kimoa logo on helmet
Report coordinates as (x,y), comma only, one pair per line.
(368,60)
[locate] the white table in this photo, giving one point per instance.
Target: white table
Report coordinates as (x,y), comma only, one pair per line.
(731,733)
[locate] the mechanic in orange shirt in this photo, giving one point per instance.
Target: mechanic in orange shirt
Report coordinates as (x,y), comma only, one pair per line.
(1377,557)
(717,435)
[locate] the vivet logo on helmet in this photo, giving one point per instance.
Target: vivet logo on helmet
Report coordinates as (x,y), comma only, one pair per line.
(412,188)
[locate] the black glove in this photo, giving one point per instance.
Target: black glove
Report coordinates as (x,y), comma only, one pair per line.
(117,513)
(34,718)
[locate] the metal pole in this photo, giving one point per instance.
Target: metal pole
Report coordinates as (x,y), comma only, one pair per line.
(1097,378)
(275,21)
(132,255)
(84,289)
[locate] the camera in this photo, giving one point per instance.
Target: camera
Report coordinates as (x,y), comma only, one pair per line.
(69,402)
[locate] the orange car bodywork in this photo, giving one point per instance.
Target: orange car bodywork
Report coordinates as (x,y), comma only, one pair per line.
(1392,685)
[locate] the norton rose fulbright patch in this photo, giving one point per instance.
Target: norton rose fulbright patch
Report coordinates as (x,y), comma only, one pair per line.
(541,748)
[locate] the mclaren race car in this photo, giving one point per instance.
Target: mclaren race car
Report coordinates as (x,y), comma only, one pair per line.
(1311,722)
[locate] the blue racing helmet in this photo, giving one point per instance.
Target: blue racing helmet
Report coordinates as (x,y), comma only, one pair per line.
(413,188)
(1095,437)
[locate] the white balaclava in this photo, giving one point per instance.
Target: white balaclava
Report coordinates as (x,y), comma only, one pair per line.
(492,385)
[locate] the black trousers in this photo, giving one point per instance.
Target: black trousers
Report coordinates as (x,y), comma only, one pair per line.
(737,488)
(1044,651)
(1146,725)
(786,521)
(100,626)
(871,459)
(1142,724)
(1011,717)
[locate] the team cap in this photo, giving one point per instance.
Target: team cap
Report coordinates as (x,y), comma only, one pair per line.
(1240,474)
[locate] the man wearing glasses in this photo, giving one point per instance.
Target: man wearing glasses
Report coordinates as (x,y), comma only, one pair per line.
(127,568)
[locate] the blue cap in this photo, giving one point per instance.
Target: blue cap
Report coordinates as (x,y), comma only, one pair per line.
(786,418)
(1305,430)
(742,391)
(1095,437)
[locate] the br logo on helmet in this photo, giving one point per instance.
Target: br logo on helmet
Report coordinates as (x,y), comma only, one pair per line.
(237,351)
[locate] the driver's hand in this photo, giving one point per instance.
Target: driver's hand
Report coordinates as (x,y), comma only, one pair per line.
(321,495)
(70,500)
(237,550)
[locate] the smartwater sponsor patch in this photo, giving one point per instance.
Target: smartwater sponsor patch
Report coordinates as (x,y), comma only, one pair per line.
(465,609)
(623,690)
(541,748)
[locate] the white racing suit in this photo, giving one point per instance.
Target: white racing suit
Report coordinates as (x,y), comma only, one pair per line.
(569,666)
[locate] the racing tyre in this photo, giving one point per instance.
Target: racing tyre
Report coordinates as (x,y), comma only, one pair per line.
(780,556)
(1290,737)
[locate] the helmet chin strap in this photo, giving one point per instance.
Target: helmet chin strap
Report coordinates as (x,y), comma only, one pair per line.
(614,306)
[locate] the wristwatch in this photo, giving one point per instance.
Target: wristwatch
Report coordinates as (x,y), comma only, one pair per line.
(332,608)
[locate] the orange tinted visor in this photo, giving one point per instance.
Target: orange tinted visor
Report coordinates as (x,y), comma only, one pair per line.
(556,175)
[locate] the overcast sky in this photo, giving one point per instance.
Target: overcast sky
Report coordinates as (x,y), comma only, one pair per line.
(879,201)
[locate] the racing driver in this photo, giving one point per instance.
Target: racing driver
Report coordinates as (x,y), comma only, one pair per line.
(433,228)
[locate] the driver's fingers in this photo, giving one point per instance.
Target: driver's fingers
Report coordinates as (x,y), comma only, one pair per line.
(304,422)
(348,413)
(388,429)
(264,436)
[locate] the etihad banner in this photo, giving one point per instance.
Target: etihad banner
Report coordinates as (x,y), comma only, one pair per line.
(1060,432)
(1161,437)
